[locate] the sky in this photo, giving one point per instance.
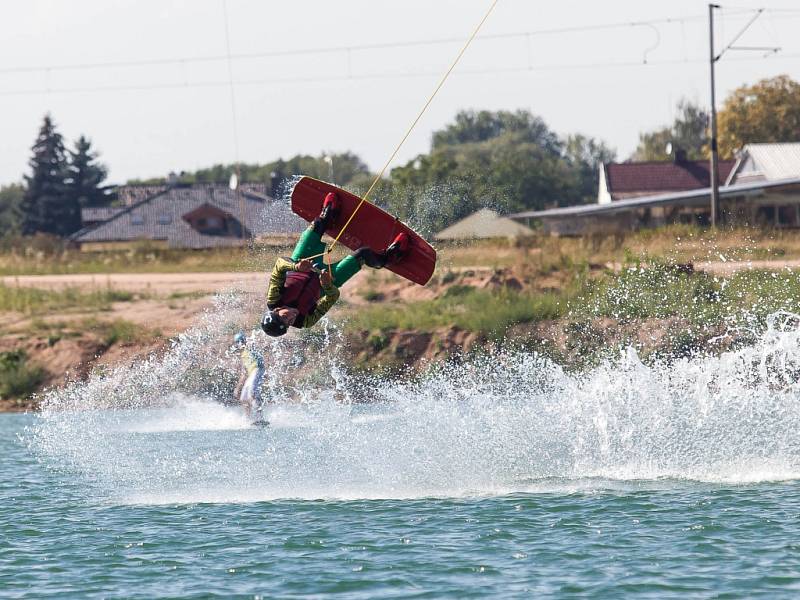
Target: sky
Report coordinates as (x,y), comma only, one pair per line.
(158,86)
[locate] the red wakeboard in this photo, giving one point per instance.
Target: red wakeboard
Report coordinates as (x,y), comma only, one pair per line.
(370,227)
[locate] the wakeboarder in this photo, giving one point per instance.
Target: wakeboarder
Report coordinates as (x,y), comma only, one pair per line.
(303,289)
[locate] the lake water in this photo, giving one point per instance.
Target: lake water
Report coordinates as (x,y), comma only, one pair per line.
(501,477)
(163,513)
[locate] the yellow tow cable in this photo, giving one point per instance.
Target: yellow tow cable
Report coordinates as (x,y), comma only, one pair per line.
(410,129)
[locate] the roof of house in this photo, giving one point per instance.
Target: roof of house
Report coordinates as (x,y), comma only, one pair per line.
(131,194)
(161,217)
(767,162)
(689,198)
(483,224)
(94,214)
(642,178)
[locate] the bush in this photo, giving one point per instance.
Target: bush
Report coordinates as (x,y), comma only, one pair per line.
(36,301)
(118,331)
(658,291)
(664,290)
(482,311)
(373,295)
(18,379)
(378,340)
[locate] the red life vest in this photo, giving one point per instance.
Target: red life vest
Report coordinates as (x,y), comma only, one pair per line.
(301,291)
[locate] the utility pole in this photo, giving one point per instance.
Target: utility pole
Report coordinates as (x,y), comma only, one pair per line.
(715,212)
(714,153)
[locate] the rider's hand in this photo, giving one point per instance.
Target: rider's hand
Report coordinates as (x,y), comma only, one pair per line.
(325,278)
(304,266)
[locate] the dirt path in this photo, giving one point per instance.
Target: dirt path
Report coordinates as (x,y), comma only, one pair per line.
(170,302)
(150,283)
(730,267)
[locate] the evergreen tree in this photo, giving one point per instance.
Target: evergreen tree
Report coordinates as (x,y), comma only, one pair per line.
(86,176)
(48,207)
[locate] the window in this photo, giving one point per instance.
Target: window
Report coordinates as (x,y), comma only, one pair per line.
(787,215)
(164,219)
(137,220)
(765,215)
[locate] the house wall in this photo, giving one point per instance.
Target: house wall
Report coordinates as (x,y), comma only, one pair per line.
(603,195)
(776,209)
(603,224)
(779,210)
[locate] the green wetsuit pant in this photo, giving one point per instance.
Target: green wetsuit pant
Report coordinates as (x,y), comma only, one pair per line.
(310,243)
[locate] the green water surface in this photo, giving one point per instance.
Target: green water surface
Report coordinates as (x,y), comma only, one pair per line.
(60,536)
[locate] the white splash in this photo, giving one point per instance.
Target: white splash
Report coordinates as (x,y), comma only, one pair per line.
(501,423)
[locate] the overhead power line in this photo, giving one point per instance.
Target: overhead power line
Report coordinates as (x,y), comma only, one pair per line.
(228,57)
(375,76)
(335,49)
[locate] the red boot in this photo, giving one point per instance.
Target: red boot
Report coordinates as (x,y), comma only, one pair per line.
(330,207)
(397,249)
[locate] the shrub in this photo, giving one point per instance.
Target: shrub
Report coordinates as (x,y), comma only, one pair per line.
(377,340)
(31,301)
(487,312)
(449,277)
(373,296)
(18,379)
(657,291)
(118,331)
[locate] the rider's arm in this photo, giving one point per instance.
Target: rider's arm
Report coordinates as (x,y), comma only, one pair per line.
(323,305)
(277,279)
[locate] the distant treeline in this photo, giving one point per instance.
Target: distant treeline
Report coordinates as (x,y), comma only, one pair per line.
(507,160)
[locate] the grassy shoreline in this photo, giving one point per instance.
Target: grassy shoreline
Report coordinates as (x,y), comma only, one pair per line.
(680,243)
(636,292)
(574,296)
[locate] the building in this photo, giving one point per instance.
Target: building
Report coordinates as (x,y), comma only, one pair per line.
(621,181)
(94,215)
(483,224)
(766,162)
(759,188)
(761,203)
(128,195)
(190,216)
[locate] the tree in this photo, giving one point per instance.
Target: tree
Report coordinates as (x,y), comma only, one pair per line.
(347,168)
(86,176)
(689,132)
(10,209)
(586,155)
(48,206)
(471,126)
(768,111)
(508,161)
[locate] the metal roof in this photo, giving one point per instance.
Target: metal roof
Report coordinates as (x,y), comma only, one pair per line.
(692,197)
(770,161)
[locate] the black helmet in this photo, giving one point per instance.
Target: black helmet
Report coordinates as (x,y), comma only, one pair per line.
(272,324)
